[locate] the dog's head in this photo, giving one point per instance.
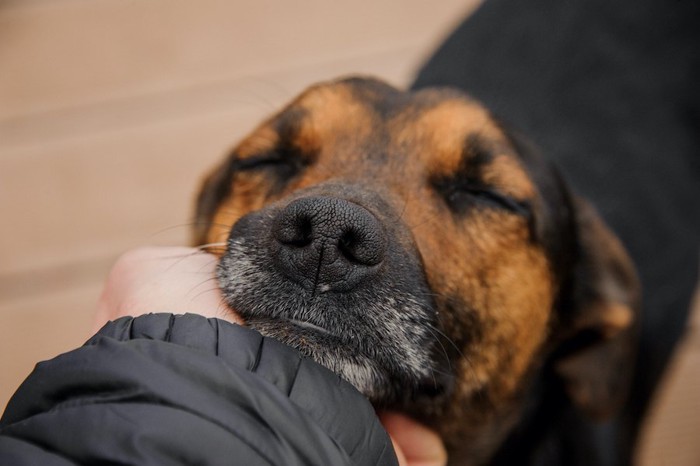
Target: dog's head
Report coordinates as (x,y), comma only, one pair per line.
(411,244)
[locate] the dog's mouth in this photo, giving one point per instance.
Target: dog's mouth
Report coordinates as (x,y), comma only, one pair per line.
(304,335)
(308,326)
(310,339)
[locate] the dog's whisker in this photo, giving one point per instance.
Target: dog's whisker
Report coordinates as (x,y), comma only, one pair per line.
(422,223)
(262,100)
(283,93)
(440,333)
(434,370)
(204,282)
(187,225)
(432,375)
(181,257)
(209,290)
(444,350)
(399,217)
(212,248)
(211,245)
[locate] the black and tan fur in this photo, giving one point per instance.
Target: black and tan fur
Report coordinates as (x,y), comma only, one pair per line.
(457,275)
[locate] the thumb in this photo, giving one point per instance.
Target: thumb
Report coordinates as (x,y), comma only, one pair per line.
(414,443)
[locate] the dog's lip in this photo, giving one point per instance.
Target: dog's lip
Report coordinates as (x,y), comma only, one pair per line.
(309,325)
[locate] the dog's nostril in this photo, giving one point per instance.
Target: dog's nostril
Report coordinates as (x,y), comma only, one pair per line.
(348,244)
(360,247)
(305,231)
(296,230)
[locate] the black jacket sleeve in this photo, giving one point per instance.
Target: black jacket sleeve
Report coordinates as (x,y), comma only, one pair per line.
(162,389)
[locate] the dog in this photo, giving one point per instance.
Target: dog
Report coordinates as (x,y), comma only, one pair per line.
(416,246)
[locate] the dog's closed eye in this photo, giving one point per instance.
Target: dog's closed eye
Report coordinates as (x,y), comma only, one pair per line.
(463,195)
(279,165)
(469,187)
(284,159)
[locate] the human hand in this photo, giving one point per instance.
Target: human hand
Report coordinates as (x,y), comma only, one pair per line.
(414,443)
(162,279)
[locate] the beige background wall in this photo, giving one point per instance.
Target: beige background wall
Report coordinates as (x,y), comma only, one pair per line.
(111,110)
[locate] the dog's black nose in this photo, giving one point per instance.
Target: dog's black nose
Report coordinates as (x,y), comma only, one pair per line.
(328,244)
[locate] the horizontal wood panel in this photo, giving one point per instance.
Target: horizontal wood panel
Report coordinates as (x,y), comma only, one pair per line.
(73,53)
(256,96)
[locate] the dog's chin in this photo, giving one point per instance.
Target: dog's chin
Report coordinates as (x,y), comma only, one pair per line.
(336,353)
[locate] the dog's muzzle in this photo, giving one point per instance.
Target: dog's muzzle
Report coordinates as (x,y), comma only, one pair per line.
(336,277)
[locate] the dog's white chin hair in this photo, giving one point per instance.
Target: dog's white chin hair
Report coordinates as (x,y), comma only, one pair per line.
(361,371)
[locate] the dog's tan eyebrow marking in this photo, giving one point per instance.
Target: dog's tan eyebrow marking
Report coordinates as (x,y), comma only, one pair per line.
(496,165)
(264,139)
(290,123)
(284,137)
(506,173)
(441,128)
(488,166)
(476,156)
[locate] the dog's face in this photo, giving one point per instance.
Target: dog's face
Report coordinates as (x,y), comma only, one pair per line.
(411,245)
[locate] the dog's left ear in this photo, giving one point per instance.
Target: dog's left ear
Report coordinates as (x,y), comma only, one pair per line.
(596,358)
